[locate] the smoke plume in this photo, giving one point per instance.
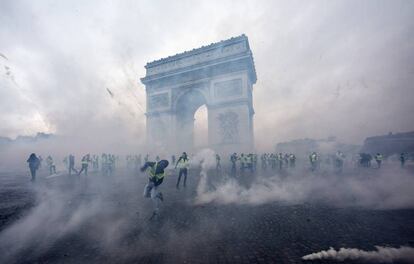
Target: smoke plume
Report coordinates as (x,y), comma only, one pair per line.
(388,188)
(380,255)
(204,159)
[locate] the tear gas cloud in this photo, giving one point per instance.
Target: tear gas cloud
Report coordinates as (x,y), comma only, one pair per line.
(388,188)
(382,191)
(380,255)
(63,210)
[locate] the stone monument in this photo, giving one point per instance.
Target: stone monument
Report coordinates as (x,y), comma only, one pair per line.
(220,76)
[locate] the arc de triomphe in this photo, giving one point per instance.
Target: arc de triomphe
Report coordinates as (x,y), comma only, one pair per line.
(220,76)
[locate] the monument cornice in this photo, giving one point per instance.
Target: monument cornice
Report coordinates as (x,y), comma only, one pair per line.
(196,59)
(202,49)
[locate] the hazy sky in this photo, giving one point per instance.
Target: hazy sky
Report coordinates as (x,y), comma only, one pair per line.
(343,68)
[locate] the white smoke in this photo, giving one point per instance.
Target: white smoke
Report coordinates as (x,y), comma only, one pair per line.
(380,255)
(60,212)
(389,188)
(206,160)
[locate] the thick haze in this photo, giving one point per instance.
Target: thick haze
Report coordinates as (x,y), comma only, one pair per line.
(343,68)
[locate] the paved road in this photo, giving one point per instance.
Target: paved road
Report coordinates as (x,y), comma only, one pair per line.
(105,220)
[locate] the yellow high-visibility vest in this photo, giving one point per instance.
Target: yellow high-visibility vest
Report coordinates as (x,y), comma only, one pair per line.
(154,175)
(183,163)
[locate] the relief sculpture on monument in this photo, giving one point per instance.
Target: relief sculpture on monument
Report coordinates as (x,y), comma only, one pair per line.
(229,127)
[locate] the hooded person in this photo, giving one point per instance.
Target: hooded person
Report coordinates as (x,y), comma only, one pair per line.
(34,164)
(156,174)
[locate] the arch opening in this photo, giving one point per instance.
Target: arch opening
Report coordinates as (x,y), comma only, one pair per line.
(200,137)
(186,107)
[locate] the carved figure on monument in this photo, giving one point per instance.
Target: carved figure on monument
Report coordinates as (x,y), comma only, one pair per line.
(229,127)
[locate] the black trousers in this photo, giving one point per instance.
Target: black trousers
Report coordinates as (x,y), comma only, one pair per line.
(379,163)
(72,168)
(52,169)
(183,172)
(33,173)
(84,168)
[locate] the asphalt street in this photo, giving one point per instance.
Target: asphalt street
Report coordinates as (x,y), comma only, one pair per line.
(105,219)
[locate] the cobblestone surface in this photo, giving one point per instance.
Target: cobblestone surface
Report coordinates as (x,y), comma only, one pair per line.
(119,230)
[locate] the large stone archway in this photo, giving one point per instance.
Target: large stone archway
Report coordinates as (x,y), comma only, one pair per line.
(220,76)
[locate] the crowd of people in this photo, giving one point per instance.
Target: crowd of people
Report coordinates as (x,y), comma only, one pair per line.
(236,164)
(106,162)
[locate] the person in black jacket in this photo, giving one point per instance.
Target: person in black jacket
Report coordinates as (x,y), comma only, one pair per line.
(156,175)
(72,164)
(34,164)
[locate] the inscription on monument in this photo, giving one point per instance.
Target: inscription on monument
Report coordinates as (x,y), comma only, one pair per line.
(228,88)
(198,58)
(158,101)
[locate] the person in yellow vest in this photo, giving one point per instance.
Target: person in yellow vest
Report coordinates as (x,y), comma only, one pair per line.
(292,160)
(313,158)
(156,176)
(243,162)
(51,165)
(85,163)
(183,163)
(254,162)
(218,164)
(280,160)
(233,160)
(378,158)
(273,160)
(249,161)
